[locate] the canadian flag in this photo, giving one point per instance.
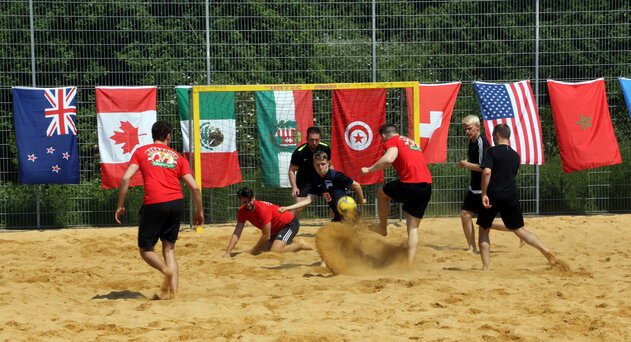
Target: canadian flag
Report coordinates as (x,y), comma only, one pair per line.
(125,116)
(436,106)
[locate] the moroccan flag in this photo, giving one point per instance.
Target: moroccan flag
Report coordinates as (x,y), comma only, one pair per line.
(436,106)
(125,116)
(583,124)
(357,116)
(283,118)
(513,104)
(625,83)
(218,135)
(46,134)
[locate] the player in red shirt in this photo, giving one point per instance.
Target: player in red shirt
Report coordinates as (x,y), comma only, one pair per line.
(413,189)
(163,204)
(277,230)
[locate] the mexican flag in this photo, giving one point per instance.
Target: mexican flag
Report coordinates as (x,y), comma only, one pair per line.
(283,118)
(220,164)
(125,116)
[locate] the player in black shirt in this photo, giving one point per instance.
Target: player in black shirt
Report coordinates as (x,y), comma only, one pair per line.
(301,170)
(330,184)
(478,145)
(499,194)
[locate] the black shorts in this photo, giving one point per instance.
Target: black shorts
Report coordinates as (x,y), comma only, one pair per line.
(509,209)
(287,233)
(414,196)
(159,221)
(305,188)
(472,202)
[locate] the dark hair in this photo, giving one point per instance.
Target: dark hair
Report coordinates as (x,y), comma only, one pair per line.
(160,130)
(388,129)
(245,192)
(313,130)
(503,130)
(320,155)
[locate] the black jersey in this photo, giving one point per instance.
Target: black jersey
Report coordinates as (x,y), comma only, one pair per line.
(504,163)
(333,186)
(476,152)
(303,158)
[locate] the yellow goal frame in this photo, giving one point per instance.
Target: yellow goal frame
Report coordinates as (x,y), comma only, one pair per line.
(195,90)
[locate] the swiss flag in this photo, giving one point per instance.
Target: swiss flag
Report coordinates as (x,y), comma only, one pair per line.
(357,116)
(436,106)
(583,124)
(125,116)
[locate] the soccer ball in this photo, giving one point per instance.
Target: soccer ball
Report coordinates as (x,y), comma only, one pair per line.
(346,205)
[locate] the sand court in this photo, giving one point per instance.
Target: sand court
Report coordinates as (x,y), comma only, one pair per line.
(91,284)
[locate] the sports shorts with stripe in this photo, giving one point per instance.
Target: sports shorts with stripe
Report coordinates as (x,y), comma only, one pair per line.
(287,233)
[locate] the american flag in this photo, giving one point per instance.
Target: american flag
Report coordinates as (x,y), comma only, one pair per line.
(513,104)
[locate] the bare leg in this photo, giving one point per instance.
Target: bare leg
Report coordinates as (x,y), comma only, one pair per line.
(469,231)
(501,227)
(156,262)
(297,212)
(485,247)
(279,246)
(383,207)
(533,240)
(412,226)
(168,251)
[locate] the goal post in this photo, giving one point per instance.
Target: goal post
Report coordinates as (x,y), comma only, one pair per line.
(196,91)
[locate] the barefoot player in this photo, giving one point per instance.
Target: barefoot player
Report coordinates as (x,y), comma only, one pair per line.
(499,195)
(277,230)
(413,189)
(163,204)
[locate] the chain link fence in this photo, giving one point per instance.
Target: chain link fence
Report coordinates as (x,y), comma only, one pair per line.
(169,43)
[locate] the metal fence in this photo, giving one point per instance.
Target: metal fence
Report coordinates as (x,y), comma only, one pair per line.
(168,43)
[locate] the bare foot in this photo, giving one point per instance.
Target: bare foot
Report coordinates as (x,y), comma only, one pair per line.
(557,263)
(173,294)
(377,228)
(472,251)
(166,283)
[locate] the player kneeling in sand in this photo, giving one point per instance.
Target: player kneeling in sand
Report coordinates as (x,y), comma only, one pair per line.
(332,185)
(499,195)
(277,229)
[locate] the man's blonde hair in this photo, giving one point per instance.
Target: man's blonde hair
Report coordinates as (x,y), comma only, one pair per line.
(471,119)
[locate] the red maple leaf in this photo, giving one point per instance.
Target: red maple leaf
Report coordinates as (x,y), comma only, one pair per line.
(128,137)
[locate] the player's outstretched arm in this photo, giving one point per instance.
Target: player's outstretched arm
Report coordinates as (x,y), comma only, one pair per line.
(122,190)
(383,162)
(302,204)
(198,217)
(358,191)
(234,238)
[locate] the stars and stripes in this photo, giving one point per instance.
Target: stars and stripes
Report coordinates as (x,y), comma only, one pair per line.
(513,104)
(61,100)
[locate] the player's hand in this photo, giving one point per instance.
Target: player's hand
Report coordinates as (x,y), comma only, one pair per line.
(485,202)
(294,192)
(282,209)
(363,201)
(463,164)
(120,211)
(198,218)
(365,170)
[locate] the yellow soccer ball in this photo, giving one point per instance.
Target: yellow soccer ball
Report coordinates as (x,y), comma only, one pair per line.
(346,205)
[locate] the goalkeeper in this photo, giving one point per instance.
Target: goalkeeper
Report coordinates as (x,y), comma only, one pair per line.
(330,184)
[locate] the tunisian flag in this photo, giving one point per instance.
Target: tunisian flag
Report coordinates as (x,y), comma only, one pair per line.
(583,124)
(125,116)
(357,116)
(436,106)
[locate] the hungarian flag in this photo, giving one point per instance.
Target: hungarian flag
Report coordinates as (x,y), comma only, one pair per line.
(125,116)
(625,83)
(46,135)
(357,116)
(219,160)
(283,118)
(513,104)
(436,106)
(583,124)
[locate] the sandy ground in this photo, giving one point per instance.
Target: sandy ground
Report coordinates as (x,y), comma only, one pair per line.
(91,285)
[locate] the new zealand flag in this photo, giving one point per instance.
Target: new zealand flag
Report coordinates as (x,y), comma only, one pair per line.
(46,134)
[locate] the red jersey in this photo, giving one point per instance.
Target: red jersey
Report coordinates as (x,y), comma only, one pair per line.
(161,169)
(410,162)
(265,212)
